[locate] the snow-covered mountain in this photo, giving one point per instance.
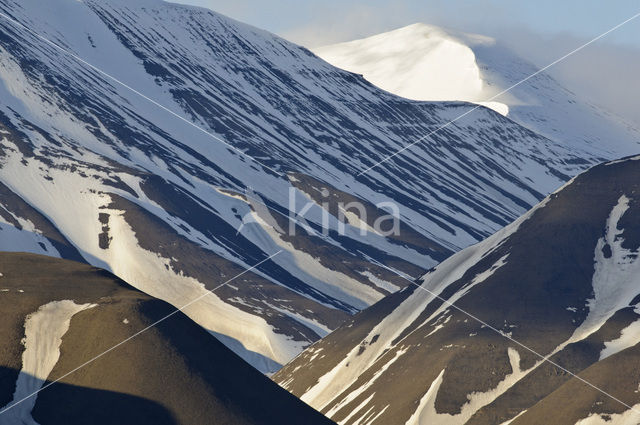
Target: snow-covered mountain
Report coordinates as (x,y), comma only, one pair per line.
(165,143)
(425,62)
(560,283)
(59,314)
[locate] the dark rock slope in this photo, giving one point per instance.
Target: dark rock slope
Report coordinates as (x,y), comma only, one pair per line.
(562,283)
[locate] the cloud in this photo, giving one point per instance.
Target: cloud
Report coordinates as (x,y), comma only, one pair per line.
(335,23)
(605,74)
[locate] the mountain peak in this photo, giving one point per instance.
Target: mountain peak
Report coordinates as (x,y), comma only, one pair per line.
(429,63)
(419,62)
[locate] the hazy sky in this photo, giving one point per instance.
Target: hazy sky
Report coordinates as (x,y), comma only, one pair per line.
(607,73)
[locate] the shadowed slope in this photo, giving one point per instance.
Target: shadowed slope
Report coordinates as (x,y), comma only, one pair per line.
(175,372)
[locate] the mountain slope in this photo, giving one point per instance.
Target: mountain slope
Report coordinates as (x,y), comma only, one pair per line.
(151,179)
(425,62)
(562,282)
(66,313)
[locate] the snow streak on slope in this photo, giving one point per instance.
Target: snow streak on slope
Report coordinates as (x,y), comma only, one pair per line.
(44,330)
(424,62)
(106,176)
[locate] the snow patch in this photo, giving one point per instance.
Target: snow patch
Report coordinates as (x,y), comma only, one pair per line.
(310,323)
(148,272)
(28,239)
(629,337)
(44,330)
(616,278)
(628,417)
(354,220)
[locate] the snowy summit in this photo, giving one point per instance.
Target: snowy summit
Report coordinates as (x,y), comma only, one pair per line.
(427,63)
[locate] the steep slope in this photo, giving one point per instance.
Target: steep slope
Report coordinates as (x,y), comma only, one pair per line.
(425,62)
(151,179)
(59,314)
(562,282)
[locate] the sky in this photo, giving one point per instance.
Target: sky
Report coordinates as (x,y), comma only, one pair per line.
(606,73)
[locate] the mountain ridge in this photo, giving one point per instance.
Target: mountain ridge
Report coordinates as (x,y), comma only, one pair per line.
(562,281)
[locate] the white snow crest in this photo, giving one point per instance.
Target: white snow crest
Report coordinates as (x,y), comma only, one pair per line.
(619,161)
(507,422)
(419,62)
